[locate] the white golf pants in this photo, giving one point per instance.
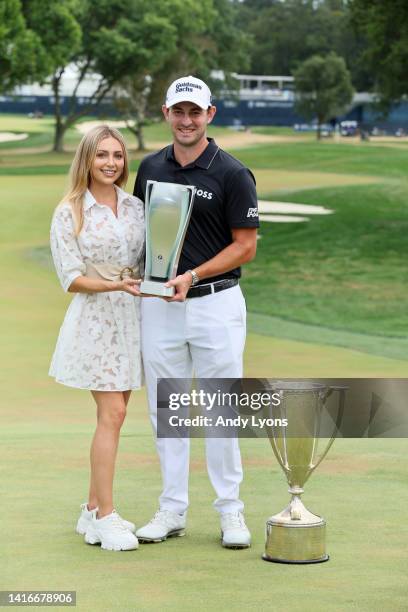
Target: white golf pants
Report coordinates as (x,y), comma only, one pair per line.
(204,335)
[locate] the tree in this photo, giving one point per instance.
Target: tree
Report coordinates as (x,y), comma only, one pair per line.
(322,88)
(227,46)
(22,57)
(57,26)
(117,40)
(384,24)
(201,37)
(284,34)
(131,100)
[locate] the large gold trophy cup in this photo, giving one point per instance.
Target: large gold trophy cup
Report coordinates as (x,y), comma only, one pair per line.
(295,535)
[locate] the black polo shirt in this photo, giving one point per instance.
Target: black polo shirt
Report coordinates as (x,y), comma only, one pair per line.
(225,199)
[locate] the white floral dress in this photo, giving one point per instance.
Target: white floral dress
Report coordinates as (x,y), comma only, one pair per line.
(98,345)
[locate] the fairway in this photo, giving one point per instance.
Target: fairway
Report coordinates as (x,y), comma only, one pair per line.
(285,181)
(326,298)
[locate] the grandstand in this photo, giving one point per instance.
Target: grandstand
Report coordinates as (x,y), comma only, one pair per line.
(256,100)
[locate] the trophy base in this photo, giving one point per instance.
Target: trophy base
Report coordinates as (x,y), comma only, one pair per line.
(265,557)
(150,287)
(290,542)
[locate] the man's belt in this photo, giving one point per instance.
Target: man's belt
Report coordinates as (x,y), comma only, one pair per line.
(202,290)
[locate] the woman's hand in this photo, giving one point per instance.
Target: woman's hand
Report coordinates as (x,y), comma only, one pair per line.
(130,285)
(83,284)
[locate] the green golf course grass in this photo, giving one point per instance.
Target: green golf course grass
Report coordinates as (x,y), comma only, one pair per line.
(40,132)
(326,298)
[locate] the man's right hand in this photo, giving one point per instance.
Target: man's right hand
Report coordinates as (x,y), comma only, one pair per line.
(182,284)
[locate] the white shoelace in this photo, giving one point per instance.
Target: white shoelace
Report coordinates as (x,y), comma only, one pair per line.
(234,521)
(116,521)
(161,516)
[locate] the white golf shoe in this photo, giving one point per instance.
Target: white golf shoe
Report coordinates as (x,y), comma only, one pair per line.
(111,533)
(234,532)
(164,524)
(85,519)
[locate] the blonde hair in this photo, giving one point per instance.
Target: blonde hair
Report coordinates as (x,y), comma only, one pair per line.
(80,171)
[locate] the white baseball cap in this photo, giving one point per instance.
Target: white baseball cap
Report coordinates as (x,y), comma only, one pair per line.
(189,89)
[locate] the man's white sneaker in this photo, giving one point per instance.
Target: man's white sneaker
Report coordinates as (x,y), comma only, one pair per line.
(234,532)
(110,533)
(164,524)
(85,519)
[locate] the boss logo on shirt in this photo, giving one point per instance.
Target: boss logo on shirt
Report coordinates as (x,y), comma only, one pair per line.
(252,212)
(204,194)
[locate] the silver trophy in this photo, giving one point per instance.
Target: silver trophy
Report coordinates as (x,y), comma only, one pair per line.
(295,535)
(168,210)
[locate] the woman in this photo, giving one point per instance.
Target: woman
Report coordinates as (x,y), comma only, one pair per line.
(97,243)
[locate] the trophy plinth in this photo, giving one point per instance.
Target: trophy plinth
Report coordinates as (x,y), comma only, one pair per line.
(150,287)
(168,211)
(296,535)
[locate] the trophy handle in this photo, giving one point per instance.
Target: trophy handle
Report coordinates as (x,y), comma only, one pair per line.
(277,453)
(278,442)
(325,395)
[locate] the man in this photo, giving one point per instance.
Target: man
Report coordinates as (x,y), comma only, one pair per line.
(202,328)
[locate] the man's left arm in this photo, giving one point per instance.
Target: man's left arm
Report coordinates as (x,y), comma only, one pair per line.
(241,215)
(240,251)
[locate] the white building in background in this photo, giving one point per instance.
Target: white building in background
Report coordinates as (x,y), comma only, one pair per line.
(67,85)
(250,86)
(253,86)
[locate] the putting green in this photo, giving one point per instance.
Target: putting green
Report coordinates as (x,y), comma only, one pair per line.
(271,357)
(44,479)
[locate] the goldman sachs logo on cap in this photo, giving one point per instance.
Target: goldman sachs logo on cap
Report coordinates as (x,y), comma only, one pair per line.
(186,86)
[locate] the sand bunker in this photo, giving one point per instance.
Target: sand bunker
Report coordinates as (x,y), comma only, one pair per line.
(10,136)
(289,207)
(85,126)
(268,210)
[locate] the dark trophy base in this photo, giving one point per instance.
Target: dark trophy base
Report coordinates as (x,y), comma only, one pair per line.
(273,560)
